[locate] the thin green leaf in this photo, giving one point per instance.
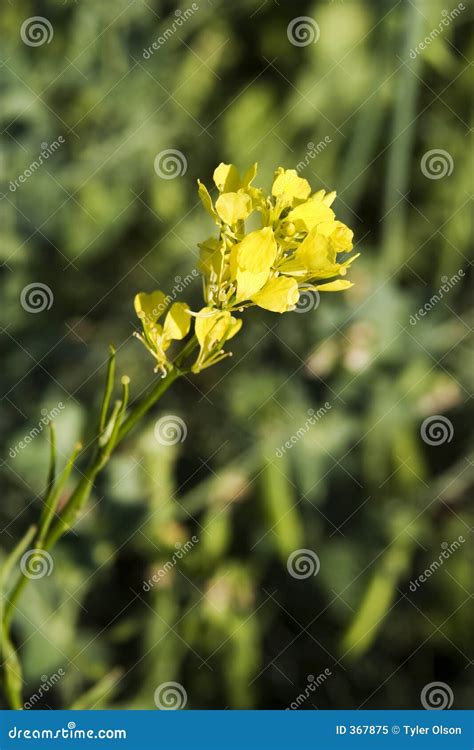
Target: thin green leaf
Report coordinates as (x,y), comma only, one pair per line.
(13,682)
(52,456)
(378,598)
(109,385)
(51,502)
(104,438)
(94,697)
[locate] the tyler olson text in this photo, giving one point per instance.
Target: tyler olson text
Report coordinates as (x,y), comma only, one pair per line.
(435,729)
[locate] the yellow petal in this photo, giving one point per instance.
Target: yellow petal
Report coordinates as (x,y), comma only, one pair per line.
(149,307)
(334,286)
(226,178)
(257,251)
(341,237)
(310,258)
(233,207)
(289,183)
(206,199)
(326,198)
(326,228)
(278,295)
(206,320)
(314,251)
(249,175)
(249,283)
(308,215)
(234,327)
(214,327)
(212,256)
(177,321)
(329,198)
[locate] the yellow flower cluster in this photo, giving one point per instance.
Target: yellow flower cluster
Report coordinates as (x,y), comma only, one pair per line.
(293,246)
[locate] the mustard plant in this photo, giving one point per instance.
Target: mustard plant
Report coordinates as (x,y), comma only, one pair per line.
(295,246)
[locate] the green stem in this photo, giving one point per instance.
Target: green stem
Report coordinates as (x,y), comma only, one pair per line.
(52,457)
(76,501)
(83,490)
(144,406)
(8,565)
(13,598)
(100,457)
(53,498)
(109,385)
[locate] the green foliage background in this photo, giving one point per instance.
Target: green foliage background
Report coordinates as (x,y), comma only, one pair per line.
(361,488)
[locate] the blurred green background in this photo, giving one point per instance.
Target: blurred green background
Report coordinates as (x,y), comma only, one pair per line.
(361,488)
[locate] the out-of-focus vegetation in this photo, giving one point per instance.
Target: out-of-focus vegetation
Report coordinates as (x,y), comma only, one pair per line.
(360,488)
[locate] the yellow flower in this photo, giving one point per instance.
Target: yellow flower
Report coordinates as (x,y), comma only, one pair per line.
(233,207)
(295,244)
(315,258)
(251,261)
(288,185)
(251,267)
(227,178)
(156,337)
(213,328)
(278,295)
(237,198)
(309,214)
(296,247)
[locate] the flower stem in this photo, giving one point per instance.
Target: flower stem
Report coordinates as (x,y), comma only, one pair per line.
(147,403)
(50,533)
